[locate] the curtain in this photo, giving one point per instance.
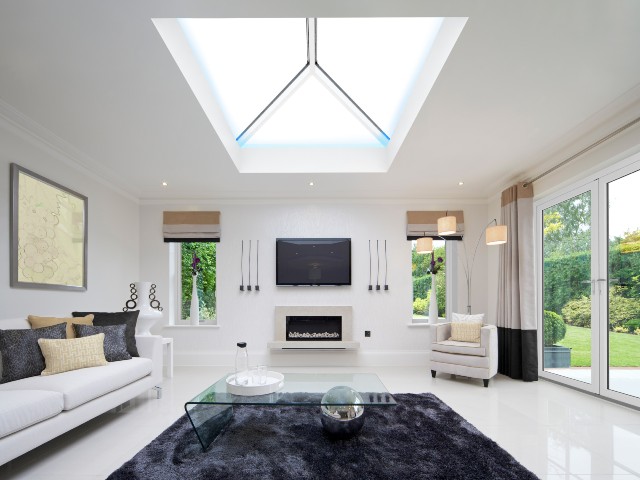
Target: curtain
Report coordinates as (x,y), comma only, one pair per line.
(516,320)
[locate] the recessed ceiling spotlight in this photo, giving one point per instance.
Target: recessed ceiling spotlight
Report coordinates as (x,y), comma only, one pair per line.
(311,184)
(164,184)
(460,184)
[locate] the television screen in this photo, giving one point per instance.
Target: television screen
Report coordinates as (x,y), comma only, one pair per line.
(313,261)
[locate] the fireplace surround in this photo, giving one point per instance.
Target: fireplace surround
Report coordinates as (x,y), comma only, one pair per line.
(313,328)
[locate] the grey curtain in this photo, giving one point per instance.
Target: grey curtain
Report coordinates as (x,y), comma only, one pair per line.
(516,321)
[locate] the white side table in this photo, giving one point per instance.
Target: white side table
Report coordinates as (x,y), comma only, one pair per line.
(167,344)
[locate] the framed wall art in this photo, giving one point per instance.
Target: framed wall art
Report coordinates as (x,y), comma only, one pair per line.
(48,233)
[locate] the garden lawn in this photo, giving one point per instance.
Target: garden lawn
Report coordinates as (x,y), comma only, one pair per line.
(624,347)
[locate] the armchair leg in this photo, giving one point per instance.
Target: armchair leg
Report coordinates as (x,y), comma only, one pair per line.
(486,382)
(433,373)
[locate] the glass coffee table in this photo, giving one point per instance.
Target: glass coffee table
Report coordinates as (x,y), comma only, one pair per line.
(211,410)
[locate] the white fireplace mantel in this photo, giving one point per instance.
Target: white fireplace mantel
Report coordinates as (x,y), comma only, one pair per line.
(281,343)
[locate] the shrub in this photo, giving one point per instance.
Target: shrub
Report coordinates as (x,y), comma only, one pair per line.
(622,311)
(633,325)
(620,329)
(577,312)
(554,328)
(420,306)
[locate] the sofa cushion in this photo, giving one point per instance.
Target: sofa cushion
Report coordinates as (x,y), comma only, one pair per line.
(39,322)
(21,355)
(22,408)
(461,348)
(72,353)
(81,386)
(115,345)
(129,319)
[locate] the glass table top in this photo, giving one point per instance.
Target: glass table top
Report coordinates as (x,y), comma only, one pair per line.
(301,389)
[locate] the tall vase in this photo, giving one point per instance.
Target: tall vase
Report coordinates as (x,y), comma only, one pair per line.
(148,315)
(194,313)
(433,302)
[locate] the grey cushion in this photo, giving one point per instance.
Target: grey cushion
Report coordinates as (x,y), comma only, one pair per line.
(21,355)
(115,346)
(129,319)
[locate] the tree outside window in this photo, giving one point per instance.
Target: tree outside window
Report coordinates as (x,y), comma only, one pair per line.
(206,279)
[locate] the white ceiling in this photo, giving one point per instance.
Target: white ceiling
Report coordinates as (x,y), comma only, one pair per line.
(524,80)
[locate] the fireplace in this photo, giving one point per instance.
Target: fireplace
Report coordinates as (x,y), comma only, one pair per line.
(313,328)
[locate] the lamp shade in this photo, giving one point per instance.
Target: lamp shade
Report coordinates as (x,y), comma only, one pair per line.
(424,245)
(496,235)
(447,225)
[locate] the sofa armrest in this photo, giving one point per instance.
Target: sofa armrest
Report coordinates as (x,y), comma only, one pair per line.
(150,346)
(441,332)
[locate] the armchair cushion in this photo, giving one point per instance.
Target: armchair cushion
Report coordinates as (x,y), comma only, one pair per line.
(465,332)
(462,348)
(463,317)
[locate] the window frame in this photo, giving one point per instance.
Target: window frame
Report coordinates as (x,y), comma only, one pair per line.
(451,274)
(175,282)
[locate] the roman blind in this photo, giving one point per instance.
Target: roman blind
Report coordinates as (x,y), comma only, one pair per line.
(191,226)
(425,224)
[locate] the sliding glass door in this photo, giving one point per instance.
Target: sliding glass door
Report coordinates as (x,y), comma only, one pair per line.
(621,364)
(570,338)
(589,285)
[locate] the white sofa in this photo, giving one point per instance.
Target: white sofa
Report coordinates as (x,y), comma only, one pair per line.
(37,409)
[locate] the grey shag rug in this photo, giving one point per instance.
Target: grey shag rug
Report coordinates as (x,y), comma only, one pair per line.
(420,438)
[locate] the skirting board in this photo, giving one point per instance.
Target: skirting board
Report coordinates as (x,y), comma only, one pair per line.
(309,358)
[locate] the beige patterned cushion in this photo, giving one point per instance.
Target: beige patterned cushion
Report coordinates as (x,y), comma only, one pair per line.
(72,354)
(465,331)
(39,322)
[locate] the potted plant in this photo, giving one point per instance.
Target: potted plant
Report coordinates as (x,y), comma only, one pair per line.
(555,356)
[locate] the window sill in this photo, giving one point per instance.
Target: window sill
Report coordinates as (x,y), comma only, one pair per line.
(187,326)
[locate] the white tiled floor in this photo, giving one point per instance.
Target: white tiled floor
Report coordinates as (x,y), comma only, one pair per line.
(554,431)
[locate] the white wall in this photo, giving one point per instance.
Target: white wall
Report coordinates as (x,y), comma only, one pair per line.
(112,238)
(249,316)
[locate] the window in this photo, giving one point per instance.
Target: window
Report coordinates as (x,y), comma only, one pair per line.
(201,258)
(421,281)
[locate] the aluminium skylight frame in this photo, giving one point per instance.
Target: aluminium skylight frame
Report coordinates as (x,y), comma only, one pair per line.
(313,67)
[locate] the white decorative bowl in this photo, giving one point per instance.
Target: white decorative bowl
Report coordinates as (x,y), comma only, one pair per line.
(275,382)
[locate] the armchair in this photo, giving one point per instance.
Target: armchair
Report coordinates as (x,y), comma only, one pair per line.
(469,359)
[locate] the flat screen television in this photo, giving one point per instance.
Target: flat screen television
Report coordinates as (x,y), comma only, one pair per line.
(313,261)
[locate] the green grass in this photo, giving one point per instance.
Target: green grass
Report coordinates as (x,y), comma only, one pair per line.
(624,351)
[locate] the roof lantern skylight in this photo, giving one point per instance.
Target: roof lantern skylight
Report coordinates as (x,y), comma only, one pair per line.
(337,89)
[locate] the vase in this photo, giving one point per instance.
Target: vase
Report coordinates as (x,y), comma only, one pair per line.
(433,302)
(194,312)
(148,315)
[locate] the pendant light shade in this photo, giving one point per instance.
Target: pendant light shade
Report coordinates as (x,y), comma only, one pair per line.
(424,245)
(496,235)
(447,225)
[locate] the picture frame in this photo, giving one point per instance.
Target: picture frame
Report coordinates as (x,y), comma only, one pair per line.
(49,229)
